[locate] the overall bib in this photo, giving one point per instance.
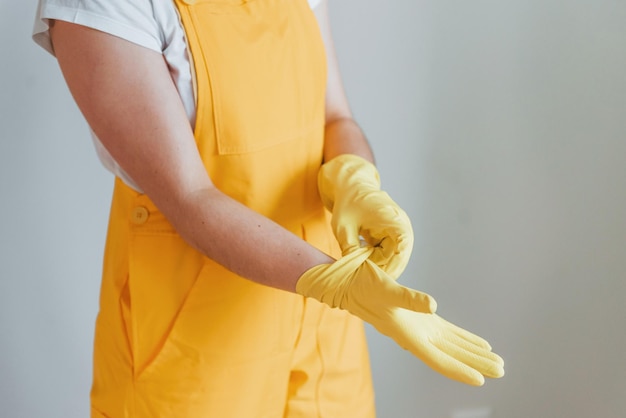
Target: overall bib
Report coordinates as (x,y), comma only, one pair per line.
(177,335)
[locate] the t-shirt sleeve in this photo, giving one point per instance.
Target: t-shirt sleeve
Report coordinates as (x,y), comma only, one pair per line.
(130,20)
(313,3)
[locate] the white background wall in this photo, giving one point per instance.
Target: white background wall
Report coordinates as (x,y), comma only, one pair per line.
(500,126)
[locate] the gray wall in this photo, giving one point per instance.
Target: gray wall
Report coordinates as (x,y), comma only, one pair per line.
(499,126)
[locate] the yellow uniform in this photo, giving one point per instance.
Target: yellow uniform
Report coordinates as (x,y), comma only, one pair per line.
(178,335)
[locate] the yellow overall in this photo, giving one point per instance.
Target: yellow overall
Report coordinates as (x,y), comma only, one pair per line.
(179,336)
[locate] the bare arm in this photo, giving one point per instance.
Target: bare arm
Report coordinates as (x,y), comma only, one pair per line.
(342,134)
(127,96)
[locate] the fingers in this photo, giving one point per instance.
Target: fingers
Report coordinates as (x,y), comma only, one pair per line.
(348,237)
(391,236)
(433,340)
(392,255)
(449,366)
(465,334)
(485,362)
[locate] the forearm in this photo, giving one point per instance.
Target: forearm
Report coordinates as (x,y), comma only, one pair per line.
(242,240)
(139,118)
(344,136)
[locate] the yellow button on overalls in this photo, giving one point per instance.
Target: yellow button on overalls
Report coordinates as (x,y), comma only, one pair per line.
(177,335)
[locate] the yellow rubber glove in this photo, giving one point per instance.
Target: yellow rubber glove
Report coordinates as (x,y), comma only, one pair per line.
(354,283)
(350,188)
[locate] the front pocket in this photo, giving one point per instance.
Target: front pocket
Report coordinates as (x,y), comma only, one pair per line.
(162,270)
(224,320)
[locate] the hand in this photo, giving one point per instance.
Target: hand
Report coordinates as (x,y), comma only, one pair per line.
(354,283)
(350,188)
(448,349)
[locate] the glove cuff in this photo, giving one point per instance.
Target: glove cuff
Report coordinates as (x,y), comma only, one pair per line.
(327,282)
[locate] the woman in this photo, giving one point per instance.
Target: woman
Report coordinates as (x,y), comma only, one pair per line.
(229,132)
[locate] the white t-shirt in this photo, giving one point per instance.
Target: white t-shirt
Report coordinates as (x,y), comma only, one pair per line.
(153,24)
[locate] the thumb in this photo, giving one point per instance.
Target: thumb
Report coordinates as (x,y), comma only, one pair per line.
(348,237)
(398,296)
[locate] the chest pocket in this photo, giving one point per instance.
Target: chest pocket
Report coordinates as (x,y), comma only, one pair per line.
(262,72)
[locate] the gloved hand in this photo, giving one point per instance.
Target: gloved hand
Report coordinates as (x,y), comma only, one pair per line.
(350,188)
(354,283)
